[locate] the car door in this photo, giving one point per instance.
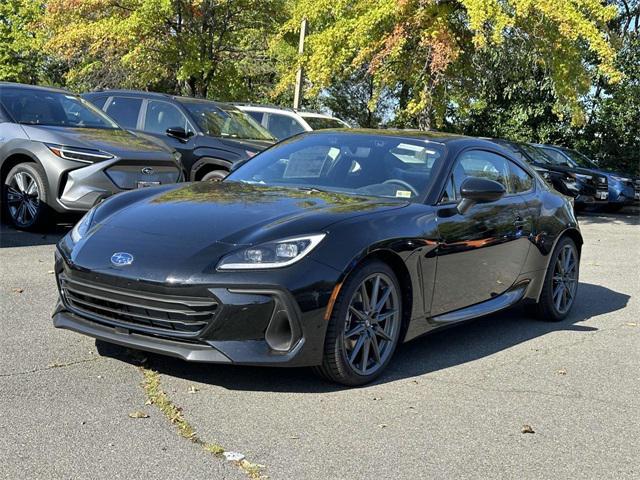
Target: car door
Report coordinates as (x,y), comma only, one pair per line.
(159,116)
(481,252)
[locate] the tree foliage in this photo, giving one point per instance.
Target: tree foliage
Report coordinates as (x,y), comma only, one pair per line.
(21,56)
(196,47)
(425,49)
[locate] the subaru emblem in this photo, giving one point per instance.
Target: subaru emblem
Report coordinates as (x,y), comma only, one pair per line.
(147,170)
(120,259)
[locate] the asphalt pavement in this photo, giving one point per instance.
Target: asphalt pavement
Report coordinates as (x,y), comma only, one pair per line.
(460,403)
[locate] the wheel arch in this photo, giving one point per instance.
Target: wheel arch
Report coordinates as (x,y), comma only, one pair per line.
(205,165)
(14,159)
(399,268)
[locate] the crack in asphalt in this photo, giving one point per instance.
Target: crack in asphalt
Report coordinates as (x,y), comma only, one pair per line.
(49,367)
(156,396)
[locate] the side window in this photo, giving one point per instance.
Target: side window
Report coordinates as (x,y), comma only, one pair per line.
(162,115)
(519,180)
(257,116)
(283,126)
(556,156)
(478,163)
(124,110)
(449,194)
(99,101)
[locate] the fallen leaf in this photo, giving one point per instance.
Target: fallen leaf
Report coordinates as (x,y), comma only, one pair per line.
(18,290)
(527,429)
(139,414)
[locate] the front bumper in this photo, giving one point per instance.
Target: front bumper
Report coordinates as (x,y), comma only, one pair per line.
(249,324)
(622,194)
(78,186)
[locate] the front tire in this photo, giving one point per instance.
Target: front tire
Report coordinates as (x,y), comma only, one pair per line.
(364,328)
(25,195)
(560,282)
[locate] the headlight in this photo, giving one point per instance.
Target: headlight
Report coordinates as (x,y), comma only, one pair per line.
(580,176)
(620,179)
(280,253)
(82,227)
(79,154)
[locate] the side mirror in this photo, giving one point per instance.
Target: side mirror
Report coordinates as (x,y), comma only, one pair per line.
(179,133)
(479,190)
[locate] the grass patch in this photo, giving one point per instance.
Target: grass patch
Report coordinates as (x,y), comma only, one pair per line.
(156,396)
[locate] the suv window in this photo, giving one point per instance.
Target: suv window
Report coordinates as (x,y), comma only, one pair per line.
(519,180)
(283,126)
(125,110)
(557,157)
(478,163)
(162,115)
(257,116)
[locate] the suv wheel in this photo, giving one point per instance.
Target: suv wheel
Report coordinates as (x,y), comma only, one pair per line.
(24,195)
(214,175)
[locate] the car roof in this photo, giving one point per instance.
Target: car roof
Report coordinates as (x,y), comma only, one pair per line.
(277,109)
(158,95)
(430,135)
(36,87)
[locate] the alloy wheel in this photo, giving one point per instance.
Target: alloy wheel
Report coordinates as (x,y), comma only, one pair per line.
(23,199)
(565,279)
(370,329)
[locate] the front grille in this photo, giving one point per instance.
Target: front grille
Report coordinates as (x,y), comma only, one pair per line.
(127,176)
(177,315)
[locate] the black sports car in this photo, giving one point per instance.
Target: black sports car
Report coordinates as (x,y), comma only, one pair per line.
(327,250)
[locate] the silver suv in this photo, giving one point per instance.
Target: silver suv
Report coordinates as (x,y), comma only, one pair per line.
(58,153)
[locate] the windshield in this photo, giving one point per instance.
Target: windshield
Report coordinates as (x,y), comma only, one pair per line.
(320,123)
(578,159)
(218,121)
(370,165)
(41,107)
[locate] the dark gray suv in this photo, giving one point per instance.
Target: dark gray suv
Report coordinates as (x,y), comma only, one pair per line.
(58,153)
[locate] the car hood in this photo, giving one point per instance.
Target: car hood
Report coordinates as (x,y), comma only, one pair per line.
(244,144)
(181,231)
(121,143)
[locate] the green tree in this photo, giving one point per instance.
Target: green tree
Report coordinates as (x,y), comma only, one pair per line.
(21,56)
(196,47)
(424,50)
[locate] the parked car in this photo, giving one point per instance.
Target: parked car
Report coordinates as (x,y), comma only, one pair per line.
(623,189)
(327,250)
(210,136)
(287,122)
(58,153)
(586,187)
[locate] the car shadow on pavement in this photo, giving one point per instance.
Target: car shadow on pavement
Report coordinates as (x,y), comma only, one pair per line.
(11,237)
(442,349)
(628,216)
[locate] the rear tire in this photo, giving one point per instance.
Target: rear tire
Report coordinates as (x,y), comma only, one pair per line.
(24,197)
(560,283)
(364,328)
(214,175)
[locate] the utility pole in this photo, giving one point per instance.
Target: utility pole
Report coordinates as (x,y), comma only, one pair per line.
(297,94)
